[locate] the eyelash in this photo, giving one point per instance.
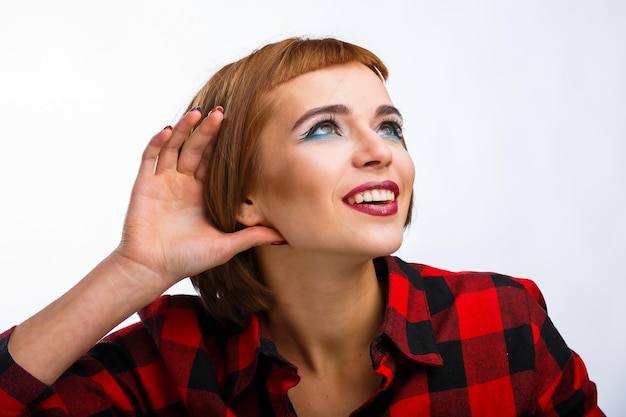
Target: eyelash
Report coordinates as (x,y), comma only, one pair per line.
(394,125)
(329,120)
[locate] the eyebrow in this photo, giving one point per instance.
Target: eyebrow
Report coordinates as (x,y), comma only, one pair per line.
(333,109)
(386,110)
(383,110)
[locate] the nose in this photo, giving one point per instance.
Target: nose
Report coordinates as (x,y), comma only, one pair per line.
(371,150)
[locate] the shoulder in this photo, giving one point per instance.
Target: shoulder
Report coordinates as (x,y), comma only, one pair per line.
(170,306)
(496,322)
(177,318)
(472,290)
(484,309)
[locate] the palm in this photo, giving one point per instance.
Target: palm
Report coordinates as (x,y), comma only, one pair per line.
(166,224)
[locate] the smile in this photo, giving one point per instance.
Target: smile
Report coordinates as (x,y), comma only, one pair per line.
(374,198)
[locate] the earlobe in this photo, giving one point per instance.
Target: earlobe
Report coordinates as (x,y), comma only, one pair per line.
(249,213)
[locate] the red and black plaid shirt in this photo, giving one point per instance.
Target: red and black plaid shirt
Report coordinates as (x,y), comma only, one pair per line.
(452,344)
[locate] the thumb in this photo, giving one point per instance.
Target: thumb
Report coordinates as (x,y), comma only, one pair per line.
(255,236)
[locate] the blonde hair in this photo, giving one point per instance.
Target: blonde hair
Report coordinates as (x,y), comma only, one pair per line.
(230,292)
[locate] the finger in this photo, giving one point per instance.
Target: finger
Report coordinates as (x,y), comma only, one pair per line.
(200,144)
(151,153)
(203,165)
(255,236)
(168,156)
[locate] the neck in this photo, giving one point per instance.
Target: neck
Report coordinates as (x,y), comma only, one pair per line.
(326,311)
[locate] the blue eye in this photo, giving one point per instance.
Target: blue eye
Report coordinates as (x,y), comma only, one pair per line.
(390,129)
(324,129)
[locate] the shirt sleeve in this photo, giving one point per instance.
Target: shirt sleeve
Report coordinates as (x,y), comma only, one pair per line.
(18,388)
(122,375)
(563,385)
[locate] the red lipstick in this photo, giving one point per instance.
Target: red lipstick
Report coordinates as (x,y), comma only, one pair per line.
(387,208)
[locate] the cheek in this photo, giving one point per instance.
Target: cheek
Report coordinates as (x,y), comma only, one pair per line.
(300,174)
(406,170)
(410,169)
(281,186)
(298,187)
(405,167)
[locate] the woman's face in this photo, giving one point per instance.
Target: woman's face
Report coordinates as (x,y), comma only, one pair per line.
(335,176)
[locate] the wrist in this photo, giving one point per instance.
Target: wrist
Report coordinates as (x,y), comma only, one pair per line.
(135,282)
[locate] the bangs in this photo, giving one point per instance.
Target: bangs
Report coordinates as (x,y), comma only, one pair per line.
(297,56)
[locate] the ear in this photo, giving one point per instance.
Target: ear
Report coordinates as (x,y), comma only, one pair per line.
(249,213)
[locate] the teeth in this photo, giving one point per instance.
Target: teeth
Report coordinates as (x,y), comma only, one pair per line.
(372,196)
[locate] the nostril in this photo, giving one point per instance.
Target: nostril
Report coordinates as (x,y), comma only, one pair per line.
(376,163)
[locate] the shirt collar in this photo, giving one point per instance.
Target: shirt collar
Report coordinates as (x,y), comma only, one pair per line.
(407,325)
(407,320)
(245,351)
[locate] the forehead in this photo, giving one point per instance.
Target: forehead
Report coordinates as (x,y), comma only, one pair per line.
(352,83)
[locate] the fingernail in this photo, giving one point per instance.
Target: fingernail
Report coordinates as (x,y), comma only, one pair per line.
(279,243)
(216,108)
(195,108)
(168,127)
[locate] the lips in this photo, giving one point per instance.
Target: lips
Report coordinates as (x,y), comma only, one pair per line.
(377,198)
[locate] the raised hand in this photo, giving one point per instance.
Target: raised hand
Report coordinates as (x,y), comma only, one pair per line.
(166,229)
(166,238)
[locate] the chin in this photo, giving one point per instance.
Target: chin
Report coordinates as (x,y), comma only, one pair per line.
(385,248)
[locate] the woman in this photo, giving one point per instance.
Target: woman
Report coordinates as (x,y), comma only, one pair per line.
(283,203)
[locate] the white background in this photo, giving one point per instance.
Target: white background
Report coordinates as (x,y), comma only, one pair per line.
(515,116)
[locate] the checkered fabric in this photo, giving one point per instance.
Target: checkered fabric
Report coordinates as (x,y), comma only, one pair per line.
(452,344)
